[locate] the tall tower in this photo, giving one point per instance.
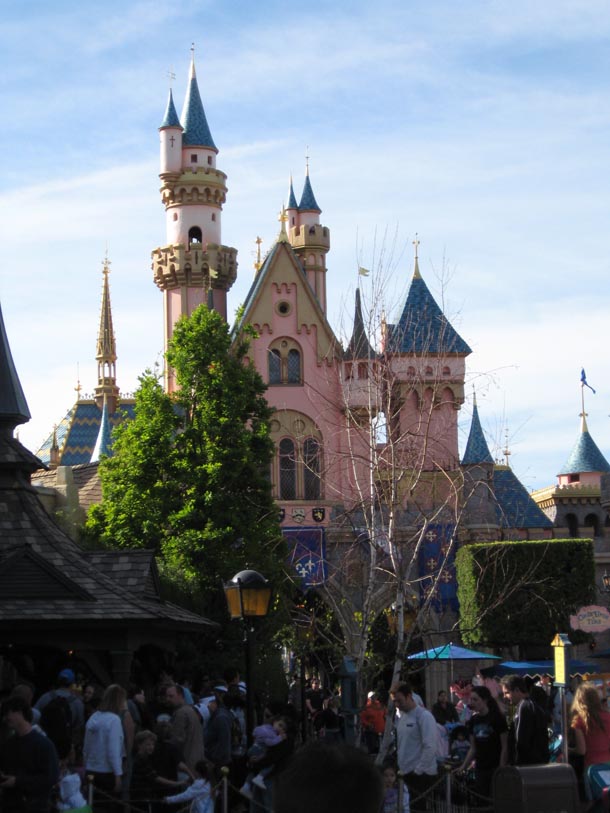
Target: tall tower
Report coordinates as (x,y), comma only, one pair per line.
(106,391)
(194,262)
(310,240)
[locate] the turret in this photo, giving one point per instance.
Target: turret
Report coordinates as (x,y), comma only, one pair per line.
(193,191)
(106,390)
(310,240)
(478,465)
(586,463)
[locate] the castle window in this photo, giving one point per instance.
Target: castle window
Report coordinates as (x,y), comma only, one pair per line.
(294,367)
(349,371)
(213,217)
(175,216)
(428,370)
(573,478)
(288,470)
(411,372)
(275,367)
(194,158)
(285,367)
(446,371)
(572,523)
(209,160)
(195,235)
(363,370)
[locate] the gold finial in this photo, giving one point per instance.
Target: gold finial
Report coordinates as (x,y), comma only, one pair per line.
(283,217)
(307,160)
(192,50)
(416,244)
(106,263)
(171,76)
(258,263)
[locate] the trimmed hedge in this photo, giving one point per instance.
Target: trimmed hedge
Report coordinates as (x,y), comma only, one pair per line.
(523,592)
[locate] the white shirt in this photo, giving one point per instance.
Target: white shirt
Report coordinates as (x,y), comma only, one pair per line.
(416,741)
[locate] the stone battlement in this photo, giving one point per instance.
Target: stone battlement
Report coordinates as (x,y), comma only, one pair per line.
(209,266)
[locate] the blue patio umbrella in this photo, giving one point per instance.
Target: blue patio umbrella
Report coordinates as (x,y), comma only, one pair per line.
(451,652)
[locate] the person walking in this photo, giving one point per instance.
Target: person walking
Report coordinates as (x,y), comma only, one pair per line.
(416,742)
(591,726)
(104,747)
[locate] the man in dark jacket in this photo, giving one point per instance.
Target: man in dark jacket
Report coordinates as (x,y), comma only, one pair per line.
(28,763)
(528,736)
(218,732)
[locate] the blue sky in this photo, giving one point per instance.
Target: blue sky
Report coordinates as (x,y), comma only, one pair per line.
(481,126)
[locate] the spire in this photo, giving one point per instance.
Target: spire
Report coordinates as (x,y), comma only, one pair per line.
(282,236)
(171,117)
(308,201)
(292,201)
(359,346)
(585,456)
(416,274)
(106,348)
(13,406)
(477,450)
(196,130)
(423,327)
(103,444)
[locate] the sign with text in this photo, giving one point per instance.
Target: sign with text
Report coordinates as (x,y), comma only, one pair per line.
(591,619)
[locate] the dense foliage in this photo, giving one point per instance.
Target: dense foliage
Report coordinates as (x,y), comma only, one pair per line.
(522,593)
(189,476)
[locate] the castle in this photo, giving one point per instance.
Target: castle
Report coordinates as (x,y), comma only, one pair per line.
(366,435)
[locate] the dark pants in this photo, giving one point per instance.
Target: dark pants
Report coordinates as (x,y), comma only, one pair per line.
(418,785)
(105,800)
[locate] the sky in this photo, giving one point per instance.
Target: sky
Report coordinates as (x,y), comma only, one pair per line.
(480,126)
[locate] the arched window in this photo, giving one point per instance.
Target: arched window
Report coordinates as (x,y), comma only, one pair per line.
(311,469)
(592,521)
(275,367)
(285,362)
(288,470)
(195,235)
(293,367)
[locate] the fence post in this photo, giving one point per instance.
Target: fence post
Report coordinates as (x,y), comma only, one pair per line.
(225,789)
(448,772)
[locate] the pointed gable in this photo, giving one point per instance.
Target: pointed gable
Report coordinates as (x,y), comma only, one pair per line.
(24,574)
(423,328)
(477,450)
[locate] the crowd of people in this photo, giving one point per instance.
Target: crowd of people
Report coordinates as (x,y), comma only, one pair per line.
(172,746)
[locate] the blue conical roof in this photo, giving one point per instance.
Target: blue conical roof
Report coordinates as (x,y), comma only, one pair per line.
(585,455)
(196,130)
(308,201)
(515,508)
(423,327)
(170,119)
(292,201)
(359,346)
(477,450)
(13,406)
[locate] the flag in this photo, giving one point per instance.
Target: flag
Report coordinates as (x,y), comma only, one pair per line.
(364,272)
(583,380)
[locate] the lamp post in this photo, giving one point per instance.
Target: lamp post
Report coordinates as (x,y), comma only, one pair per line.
(248,596)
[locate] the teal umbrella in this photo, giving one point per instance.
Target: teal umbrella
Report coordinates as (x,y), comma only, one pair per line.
(451,652)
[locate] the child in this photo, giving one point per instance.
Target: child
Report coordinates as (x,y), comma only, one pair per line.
(460,744)
(70,796)
(199,793)
(145,781)
(391,794)
(264,736)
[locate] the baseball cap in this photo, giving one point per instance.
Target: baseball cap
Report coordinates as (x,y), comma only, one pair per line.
(67,674)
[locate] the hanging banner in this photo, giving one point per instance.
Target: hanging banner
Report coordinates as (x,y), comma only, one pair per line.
(307,554)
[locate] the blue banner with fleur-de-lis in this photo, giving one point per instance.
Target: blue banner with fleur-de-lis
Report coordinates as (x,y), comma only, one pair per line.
(307,554)
(438,553)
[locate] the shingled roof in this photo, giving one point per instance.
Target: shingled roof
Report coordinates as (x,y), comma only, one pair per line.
(514,506)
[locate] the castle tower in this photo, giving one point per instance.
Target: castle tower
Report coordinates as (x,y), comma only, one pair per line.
(310,240)
(428,359)
(193,191)
(106,391)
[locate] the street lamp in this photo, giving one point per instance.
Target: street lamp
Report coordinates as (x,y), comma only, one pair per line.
(248,596)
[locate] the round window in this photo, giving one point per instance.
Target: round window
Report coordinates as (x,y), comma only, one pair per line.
(283,308)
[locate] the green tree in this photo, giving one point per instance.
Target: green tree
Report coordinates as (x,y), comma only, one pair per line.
(189,476)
